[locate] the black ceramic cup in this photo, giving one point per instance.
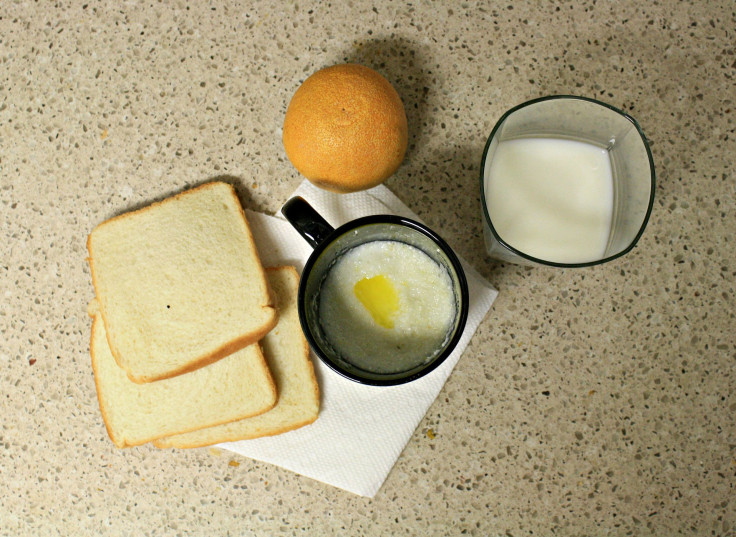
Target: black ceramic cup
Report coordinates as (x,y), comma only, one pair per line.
(329,245)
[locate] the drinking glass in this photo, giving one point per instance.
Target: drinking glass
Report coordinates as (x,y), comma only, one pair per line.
(593,122)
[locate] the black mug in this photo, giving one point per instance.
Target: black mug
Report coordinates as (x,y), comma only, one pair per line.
(329,245)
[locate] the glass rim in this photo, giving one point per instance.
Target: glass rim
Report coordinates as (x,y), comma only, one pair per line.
(544,262)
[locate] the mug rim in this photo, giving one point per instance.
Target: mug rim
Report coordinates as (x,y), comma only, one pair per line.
(543,262)
(463,299)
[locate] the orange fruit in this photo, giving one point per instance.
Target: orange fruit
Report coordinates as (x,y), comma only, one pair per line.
(345,128)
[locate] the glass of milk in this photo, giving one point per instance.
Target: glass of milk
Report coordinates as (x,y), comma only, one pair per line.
(565,181)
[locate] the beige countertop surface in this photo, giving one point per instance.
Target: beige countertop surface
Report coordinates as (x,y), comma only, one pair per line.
(595,401)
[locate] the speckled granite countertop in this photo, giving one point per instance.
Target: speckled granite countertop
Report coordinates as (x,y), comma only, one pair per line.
(590,402)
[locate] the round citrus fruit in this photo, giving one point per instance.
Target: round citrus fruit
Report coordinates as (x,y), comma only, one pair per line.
(345,128)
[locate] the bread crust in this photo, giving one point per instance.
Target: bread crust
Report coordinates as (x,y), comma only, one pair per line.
(103,408)
(224,350)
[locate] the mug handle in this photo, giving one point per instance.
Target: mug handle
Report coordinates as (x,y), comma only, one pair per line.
(306,221)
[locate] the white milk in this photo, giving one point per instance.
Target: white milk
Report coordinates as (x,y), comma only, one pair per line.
(551,198)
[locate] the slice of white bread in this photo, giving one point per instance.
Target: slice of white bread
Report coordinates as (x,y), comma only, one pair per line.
(180,283)
(287,353)
(237,386)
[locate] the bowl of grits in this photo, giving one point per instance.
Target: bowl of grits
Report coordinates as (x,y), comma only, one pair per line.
(383,300)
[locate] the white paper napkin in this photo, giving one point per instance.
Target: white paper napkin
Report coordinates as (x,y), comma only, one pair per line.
(361,430)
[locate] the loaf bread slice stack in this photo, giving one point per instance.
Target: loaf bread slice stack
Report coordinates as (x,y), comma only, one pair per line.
(182,308)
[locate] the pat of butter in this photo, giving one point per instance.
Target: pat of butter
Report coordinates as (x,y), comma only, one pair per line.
(379,297)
